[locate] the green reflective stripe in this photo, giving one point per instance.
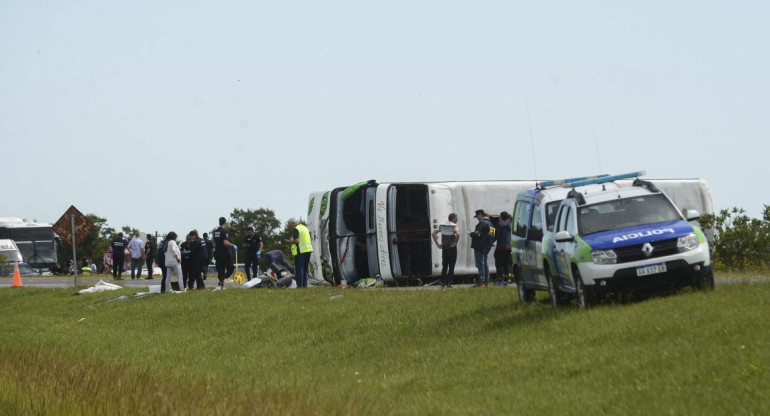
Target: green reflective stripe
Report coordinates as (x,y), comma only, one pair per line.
(582,251)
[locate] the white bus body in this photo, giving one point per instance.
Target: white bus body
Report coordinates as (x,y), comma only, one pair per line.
(384,229)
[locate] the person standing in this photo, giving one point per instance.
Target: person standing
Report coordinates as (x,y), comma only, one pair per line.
(186,248)
(224,262)
(481,242)
(118,246)
(173,260)
(160,260)
(252,244)
(150,248)
(136,248)
(209,254)
(200,260)
(301,247)
(503,258)
(450,235)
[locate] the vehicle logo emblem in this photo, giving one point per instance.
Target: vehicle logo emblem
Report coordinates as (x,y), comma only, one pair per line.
(647,249)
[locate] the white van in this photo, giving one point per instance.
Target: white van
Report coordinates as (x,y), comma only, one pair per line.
(384,230)
(9,252)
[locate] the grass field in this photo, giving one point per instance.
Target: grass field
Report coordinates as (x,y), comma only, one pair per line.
(464,351)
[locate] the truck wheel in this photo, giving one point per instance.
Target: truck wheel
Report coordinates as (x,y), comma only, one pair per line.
(553,291)
(585,295)
(705,281)
(525,295)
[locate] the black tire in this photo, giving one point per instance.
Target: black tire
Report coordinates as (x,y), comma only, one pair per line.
(525,295)
(585,295)
(704,280)
(557,299)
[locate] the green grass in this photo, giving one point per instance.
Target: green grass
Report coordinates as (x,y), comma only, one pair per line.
(474,351)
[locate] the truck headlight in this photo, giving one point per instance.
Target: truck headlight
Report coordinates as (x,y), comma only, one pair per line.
(687,242)
(604,257)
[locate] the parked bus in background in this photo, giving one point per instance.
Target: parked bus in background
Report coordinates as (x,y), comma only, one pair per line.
(384,230)
(36,240)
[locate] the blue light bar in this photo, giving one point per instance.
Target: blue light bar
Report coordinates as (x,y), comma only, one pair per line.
(605,179)
(545,184)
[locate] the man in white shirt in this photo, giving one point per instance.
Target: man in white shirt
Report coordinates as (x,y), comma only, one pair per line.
(136,248)
(450,235)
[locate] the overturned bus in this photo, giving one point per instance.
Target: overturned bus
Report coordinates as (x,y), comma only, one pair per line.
(384,230)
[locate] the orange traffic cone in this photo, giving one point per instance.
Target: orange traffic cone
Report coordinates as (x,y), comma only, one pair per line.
(16,275)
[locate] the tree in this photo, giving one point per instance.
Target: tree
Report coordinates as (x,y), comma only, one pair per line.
(740,242)
(262,219)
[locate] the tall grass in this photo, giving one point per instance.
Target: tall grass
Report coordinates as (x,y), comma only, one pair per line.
(474,351)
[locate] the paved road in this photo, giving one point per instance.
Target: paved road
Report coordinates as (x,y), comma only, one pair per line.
(88,281)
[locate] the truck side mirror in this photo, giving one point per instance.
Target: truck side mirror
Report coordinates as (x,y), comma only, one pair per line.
(564,237)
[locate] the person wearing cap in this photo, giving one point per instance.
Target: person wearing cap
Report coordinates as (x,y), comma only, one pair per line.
(222,259)
(301,247)
(482,239)
(450,235)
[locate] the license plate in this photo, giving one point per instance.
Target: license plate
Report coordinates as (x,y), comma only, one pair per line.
(651,269)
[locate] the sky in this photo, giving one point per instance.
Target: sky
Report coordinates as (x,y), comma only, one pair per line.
(167,115)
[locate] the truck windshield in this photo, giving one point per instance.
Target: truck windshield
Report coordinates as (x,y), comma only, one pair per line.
(623,213)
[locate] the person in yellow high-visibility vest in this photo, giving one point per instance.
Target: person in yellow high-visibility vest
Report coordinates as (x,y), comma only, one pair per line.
(301,247)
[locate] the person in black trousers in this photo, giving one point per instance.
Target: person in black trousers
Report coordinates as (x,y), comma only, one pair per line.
(450,235)
(252,244)
(150,248)
(209,255)
(187,261)
(200,260)
(118,245)
(224,262)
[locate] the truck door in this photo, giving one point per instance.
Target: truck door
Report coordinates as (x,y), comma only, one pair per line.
(565,250)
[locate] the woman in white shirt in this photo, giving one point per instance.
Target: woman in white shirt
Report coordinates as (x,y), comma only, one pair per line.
(173,263)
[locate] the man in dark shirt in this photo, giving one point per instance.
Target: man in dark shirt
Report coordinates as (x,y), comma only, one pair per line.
(252,244)
(224,262)
(481,242)
(209,255)
(118,255)
(200,259)
(150,248)
(186,248)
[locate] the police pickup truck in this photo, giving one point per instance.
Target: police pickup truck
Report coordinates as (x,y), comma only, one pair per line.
(587,237)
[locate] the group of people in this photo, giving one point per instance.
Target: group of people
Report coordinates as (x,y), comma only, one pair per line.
(84,266)
(483,238)
(189,260)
